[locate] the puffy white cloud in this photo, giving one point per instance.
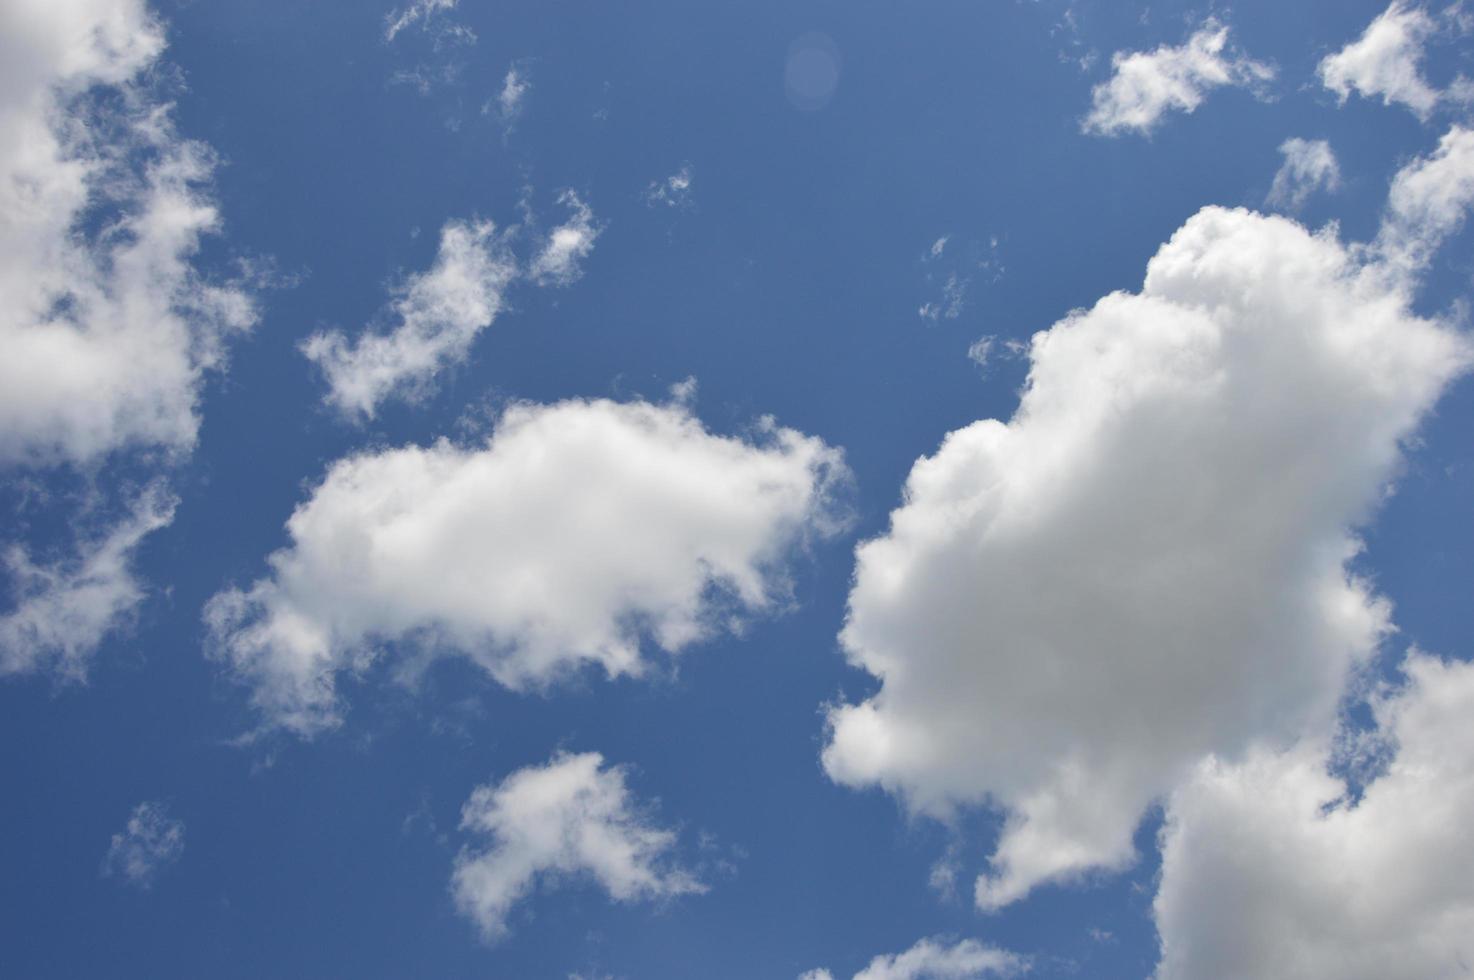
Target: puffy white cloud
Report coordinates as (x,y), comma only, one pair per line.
(932,959)
(1147,563)
(557,263)
(151,841)
(571,818)
(64,609)
(1145,85)
(439,314)
(106,325)
(1386,61)
(1271,867)
(1309,166)
(578,531)
(1428,201)
(673,192)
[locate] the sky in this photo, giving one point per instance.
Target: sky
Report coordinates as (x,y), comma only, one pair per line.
(802,490)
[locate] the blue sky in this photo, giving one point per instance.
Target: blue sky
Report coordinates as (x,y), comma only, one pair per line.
(587,343)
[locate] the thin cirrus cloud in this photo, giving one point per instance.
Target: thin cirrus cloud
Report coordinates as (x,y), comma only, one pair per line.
(1271,866)
(422,12)
(1148,563)
(935,959)
(108,327)
(1387,62)
(151,841)
(577,534)
(1146,85)
(1309,166)
(573,817)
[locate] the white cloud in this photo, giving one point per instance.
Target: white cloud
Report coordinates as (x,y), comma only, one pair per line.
(954,298)
(1272,868)
(578,532)
(981,351)
(439,314)
(1148,563)
(932,959)
(151,841)
(420,11)
(572,818)
(1386,61)
(513,94)
(673,192)
(107,327)
(64,609)
(1309,166)
(1428,201)
(1146,85)
(938,246)
(558,261)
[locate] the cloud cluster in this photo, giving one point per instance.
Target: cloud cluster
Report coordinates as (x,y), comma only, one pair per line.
(571,818)
(1145,85)
(672,192)
(1309,166)
(1271,866)
(1148,563)
(578,532)
(1386,61)
(933,959)
(108,327)
(152,841)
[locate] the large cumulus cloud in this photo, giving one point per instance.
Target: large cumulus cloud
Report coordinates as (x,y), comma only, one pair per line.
(1149,562)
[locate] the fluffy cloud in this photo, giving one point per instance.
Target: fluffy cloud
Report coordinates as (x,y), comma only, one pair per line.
(439,314)
(106,326)
(557,263)
(1146,85)
(931,959)
(1309,166)
(65,609)
(1386,61)
(152,841)
(1428,202)
(1271,867)
(1148,563)
(578,531)
(572,818)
